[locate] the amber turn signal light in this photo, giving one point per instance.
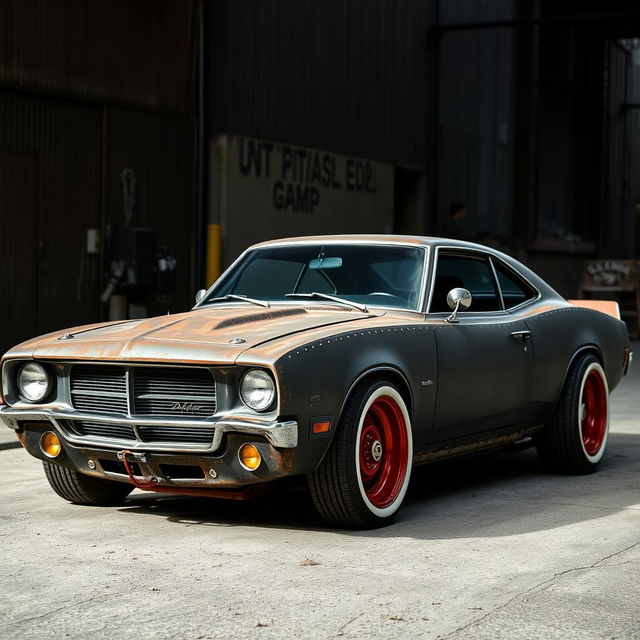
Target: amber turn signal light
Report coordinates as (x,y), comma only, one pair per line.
(50,444)
(249,457)
(321,427)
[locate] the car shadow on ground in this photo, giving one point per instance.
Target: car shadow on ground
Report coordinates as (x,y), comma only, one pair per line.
(486,495)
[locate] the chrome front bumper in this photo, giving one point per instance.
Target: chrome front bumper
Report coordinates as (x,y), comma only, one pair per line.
(278,434)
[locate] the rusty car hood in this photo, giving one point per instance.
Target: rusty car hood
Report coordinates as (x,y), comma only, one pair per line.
(211,335)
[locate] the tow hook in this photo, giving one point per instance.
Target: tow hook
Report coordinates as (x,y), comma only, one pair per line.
(137,457)
(124,455)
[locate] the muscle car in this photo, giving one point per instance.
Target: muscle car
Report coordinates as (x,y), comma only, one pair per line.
(343,359)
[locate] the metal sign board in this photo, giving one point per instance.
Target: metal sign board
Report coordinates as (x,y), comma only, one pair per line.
(261,189)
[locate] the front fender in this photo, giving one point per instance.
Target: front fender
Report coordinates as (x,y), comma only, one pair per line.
(316,379)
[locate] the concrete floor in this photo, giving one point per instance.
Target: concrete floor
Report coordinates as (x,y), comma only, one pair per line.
(488,547)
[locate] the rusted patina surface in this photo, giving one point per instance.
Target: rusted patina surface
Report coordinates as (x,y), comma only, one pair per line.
(199,336)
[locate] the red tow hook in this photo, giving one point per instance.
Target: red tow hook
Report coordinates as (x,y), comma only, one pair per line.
(144,484)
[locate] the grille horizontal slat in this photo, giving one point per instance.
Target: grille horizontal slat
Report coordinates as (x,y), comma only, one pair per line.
(172,396)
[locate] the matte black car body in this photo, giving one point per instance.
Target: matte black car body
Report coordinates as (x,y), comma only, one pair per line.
(491,378)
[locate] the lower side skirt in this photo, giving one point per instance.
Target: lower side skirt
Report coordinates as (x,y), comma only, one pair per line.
(460,448)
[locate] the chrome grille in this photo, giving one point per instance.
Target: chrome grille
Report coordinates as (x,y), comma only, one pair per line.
(173,392)
(100,389)
(156,391)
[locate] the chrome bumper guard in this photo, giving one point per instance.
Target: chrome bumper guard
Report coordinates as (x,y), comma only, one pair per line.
(280,434)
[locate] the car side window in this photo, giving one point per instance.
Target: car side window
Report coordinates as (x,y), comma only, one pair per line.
(469,272)
(514,289)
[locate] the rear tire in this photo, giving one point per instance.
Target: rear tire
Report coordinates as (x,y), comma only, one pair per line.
(363,478)
(575,438)
(81,489)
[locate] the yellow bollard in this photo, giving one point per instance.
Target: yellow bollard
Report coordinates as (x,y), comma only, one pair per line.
(214,253)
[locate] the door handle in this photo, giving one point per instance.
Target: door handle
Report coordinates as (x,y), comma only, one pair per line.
(521,335)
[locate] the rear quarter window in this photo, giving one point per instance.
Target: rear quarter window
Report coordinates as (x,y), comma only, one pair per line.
(515,290)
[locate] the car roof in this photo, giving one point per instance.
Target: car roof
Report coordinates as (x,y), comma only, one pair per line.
(372,238)
(419,241)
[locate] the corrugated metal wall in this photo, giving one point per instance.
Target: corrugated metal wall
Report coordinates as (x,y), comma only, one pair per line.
(475,116)
(634,150)
(51,162)
(619,239)
(349,76)
(140,52)
(86,90)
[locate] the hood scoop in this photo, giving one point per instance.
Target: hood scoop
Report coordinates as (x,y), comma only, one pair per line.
(250,318)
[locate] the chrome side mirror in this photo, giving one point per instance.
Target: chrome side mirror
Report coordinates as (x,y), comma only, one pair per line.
(200,295)
(457,299)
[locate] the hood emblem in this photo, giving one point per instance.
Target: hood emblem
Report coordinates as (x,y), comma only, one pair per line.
(66,336)
(237,341)
(185,407)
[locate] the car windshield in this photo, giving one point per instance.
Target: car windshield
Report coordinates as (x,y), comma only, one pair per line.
(376,275)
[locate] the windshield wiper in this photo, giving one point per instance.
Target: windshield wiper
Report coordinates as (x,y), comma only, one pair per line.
(326,296)
(235,296)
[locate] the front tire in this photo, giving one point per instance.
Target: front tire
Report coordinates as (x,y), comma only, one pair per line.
(575,438)
(81,489)
(363,479)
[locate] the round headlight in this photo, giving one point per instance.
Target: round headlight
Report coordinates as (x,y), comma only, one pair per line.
(257,389)
(33,382)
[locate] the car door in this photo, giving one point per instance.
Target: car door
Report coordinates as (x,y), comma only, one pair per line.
(484,359)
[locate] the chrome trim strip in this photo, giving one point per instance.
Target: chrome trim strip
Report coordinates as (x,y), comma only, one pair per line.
(279,434)
(424,281)
(127,385)
(496,282)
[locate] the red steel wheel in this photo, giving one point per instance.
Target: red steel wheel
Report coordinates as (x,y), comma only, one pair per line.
(593,412)
(383,450)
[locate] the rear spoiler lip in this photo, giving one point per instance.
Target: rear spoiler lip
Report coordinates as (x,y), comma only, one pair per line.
(608,307)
